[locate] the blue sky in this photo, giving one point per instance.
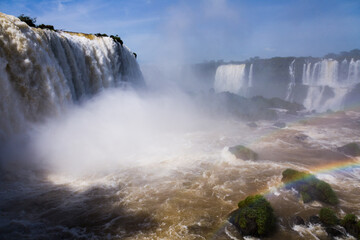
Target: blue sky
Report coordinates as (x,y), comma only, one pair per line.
(198,30)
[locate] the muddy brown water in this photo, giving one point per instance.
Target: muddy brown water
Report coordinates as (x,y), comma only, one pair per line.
(188,196)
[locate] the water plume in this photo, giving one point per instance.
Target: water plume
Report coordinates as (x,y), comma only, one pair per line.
(118,129)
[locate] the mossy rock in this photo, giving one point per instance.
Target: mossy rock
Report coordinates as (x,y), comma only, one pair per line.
(254,217)
(352,149)
(351,225)
(243,152)
(309,187)
(290,175)
(328,217)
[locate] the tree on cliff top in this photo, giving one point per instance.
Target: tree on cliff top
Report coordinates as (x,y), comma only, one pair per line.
(28,20)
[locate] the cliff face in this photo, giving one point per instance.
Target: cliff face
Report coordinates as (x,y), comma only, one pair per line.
(317,83)
(42,71)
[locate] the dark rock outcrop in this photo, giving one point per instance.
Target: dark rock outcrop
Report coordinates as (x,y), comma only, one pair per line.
(314,220)
(243,152)
(297,220)
(352,149)
(279,124)
(309,187)
(301,137)
(254,217)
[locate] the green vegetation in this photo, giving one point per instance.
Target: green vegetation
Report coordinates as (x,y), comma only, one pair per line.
(355,53)
(116,38)
(28,20)
(43,26)
(351,225)
(31,22)
(309,187)
(328,217)
(243,152)
(349,222)
(290,175)
(254,217)
(101,35)
(349,218)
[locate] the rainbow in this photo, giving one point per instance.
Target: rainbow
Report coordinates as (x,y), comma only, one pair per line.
(325,168)
(345,164)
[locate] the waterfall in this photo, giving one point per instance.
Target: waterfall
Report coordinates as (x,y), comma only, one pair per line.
(251,76)
(43,71)
(231,78)
(289,93)
(328,83)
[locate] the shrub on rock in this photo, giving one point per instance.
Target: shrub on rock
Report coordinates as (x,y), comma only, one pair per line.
(43,26)
(309,187)
(100,34)
(351,225)
(328,217)
(116,38)
(243,152)
(254,217)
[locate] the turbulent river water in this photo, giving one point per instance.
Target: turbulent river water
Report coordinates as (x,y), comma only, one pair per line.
(182,186)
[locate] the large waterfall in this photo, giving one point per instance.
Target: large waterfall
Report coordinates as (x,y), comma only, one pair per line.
(328,74)
(318,84)
(231,78)
(42,71)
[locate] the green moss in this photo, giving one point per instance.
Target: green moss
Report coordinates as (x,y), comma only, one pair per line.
(243,152)
(305,197)
(309,187)
(290,175)
(348,219)
(254,216)
(328,217)
(329,195)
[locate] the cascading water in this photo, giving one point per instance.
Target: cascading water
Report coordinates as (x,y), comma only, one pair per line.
(230,78)
(234,78)
(251,75)
(329,76)
(289,93)
(42,71)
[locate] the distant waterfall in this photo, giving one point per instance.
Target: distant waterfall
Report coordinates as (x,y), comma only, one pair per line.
(251,75)
(42,71)
(231,78)
(328,75)
(289,93)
